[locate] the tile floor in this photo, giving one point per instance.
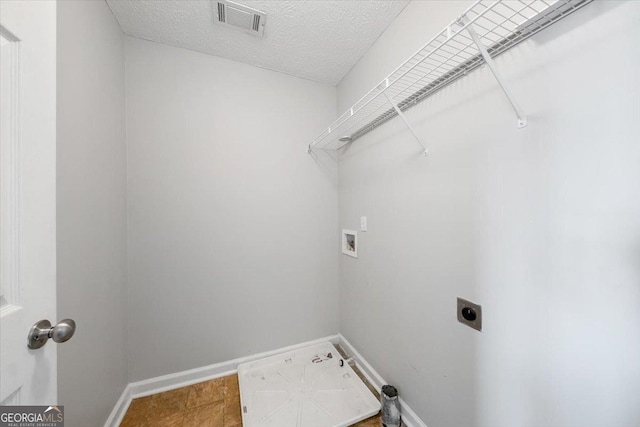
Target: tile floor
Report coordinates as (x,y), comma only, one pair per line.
(214,403)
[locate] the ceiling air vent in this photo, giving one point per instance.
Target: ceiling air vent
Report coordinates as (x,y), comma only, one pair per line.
(240,17)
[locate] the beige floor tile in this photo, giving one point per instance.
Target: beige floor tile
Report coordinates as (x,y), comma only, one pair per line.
(232,412)
(370,422)
(137,412)
(209,415)
(206,392)
(231,387)
(168,403)
(173,420)
(133,421)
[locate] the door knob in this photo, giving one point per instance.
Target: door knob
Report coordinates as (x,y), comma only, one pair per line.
(40,332)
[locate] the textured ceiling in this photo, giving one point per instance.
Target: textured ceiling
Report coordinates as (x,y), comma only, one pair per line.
(317,40)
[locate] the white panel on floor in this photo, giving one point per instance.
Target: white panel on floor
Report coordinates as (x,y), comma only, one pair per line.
(304,388)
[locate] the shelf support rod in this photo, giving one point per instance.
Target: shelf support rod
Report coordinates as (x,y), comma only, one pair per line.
(406,122)
(522,118)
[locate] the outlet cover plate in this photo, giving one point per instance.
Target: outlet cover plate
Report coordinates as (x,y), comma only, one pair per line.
(470,314)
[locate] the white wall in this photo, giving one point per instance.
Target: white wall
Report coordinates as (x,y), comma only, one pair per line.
(91,203)
(232,225)
(541,226)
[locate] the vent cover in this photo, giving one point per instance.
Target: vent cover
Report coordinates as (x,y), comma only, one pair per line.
(240,17)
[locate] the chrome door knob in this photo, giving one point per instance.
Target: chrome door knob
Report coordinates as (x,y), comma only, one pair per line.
(40,332)
(63,331)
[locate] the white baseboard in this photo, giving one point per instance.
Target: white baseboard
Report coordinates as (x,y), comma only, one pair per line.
(205,373)
(117,414)
(409,418)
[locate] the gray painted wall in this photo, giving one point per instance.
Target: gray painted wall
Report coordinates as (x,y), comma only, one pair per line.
(541,226)
(232,225)
(91,210)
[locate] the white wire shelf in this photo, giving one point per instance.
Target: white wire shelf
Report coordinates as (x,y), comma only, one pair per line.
(484,31)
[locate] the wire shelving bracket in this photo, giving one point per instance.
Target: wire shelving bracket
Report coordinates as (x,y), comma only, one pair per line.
(522,118)
(405,120)
(485,30)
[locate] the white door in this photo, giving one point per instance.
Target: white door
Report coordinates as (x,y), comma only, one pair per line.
(27,199)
